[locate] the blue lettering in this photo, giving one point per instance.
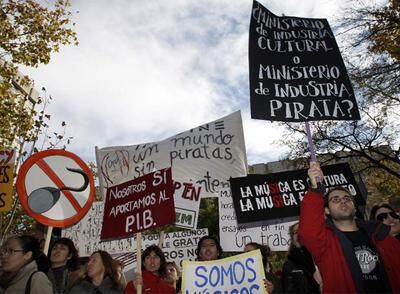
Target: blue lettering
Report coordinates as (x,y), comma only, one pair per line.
(235,272)
(197,272)
(254,287)
(227,273)
(244,290)
(218,275)
(251,260)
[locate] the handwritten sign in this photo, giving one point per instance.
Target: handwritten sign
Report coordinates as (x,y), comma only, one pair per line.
(296,70)
(7,160)
(274,196)
(177,246)
(234,237)
(86,237)
(202,161)
(137,205)
(243,273)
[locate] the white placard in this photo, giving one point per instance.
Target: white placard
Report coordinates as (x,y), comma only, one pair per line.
(202,161)
(234,237)
(243,273)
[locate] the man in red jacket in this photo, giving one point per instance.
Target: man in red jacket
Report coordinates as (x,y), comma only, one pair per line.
(353,256)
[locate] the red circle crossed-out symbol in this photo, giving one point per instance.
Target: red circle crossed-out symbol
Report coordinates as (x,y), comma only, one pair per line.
(39,160)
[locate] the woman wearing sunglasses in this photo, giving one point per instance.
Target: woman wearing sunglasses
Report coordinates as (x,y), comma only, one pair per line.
(387,215)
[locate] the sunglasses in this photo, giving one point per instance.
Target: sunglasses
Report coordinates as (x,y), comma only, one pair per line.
(384,215)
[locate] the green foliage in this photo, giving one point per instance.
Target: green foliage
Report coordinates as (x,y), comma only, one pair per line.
(29,33)
(208,216)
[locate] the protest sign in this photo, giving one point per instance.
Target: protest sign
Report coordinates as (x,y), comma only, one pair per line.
(273,196)
(7,162)
(137,205)
(86,237)
(86,234)
(55,187)
(202,161)
(177,246)
(296,70)
(233,237)
(243,273)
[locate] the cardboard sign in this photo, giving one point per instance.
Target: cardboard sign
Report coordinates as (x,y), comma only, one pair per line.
(233,236)
(177,247)
(135,206)
(202,161)
(86,234)
(257,198)
(55,187)
(243,273)
(7,164)
(296,70)
(86,237)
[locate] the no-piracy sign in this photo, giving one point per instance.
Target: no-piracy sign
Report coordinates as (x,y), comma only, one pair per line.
(55,187)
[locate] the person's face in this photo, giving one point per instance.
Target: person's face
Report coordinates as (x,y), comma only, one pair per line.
(249,248)
(152,262)
(118,271)
(387,216)
(59,254)
(13,258)
(95,266)
(172,274)
(295,237)
(208,250)
(340,206)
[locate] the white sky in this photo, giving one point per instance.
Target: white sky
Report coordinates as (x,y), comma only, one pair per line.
(146,70)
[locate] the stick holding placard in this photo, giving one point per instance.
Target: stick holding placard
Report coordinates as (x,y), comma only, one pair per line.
(161,240)
(48,238)
(139,259)
(311,146)
(310,142)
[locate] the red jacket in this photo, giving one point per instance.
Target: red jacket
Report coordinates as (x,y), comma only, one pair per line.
(152,284)
(337,262)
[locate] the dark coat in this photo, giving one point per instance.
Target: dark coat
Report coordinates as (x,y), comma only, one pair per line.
(85,287)
(298,271)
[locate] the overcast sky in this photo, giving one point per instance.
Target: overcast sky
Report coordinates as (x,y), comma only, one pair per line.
(146,70)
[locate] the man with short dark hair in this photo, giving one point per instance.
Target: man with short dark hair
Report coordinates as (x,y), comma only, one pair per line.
(353,256)
(208,248)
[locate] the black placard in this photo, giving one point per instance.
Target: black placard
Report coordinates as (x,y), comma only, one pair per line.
(257,198)
(296,70)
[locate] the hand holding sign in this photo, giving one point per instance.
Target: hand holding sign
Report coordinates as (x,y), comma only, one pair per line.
(315,174)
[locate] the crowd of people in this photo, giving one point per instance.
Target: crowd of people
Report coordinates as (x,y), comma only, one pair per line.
(331,251)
